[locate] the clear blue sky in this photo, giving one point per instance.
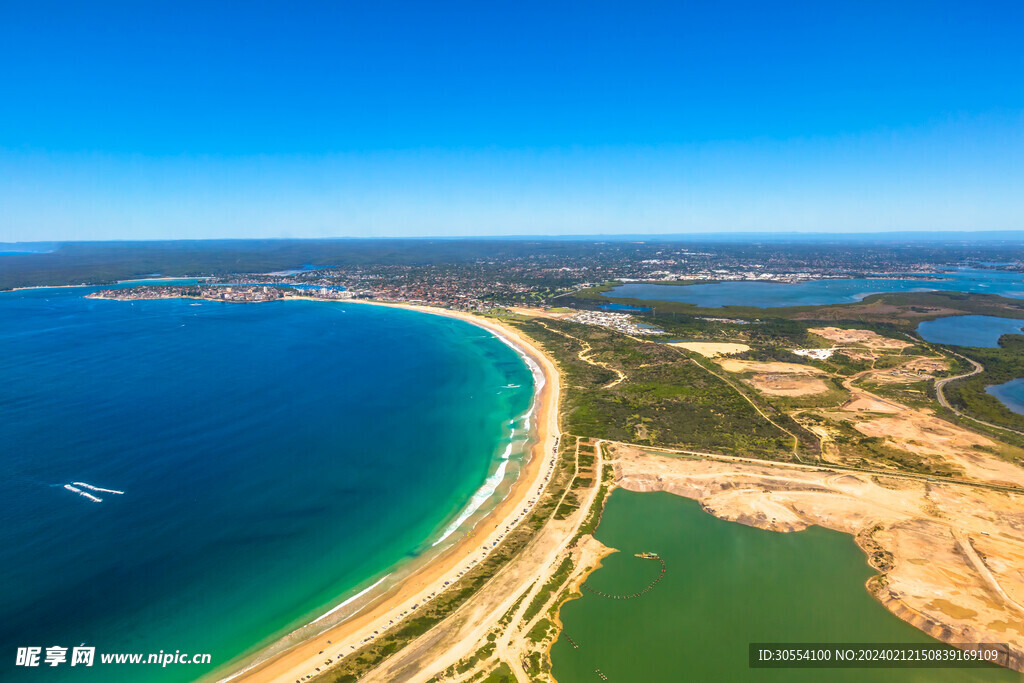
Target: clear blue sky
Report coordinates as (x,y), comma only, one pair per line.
(249,119)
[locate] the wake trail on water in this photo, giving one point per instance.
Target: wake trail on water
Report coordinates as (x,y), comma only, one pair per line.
(97,488)
(80,492)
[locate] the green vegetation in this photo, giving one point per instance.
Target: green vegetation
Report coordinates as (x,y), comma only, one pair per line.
(843,364)
(920,394)
(480,655)
(589,525)
(544,594)
(903,310)
(540,630)
(535,664)
(1001,365)
(666,398)
(503,674)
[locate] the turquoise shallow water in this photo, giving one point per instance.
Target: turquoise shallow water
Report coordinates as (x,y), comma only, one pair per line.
(726,585)
(820,292)
(273,457)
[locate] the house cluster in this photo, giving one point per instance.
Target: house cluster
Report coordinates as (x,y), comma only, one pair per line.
(620,322)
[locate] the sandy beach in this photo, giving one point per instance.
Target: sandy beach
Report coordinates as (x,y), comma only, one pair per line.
(429,579)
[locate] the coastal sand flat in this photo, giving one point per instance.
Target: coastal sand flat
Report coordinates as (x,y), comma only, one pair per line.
(871,404)
(923,364)
(541,313)
(871,340)
(773,367)
(949,556)
(712,349)
(788,384)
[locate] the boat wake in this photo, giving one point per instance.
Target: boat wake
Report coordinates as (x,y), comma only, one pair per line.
(77,486)
(80,492)
(97,488)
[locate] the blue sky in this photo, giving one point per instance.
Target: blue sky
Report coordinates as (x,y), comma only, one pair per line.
(184,120)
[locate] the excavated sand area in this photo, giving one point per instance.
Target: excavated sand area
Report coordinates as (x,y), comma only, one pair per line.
(788,385)
(867,338)
(919,432)
(712,349)
(774,367)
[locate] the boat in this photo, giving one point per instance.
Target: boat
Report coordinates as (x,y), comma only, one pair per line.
(647,556)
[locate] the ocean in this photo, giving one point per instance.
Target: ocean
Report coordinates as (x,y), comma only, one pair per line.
(274,459)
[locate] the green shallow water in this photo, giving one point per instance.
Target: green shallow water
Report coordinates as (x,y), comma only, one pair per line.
(727,585)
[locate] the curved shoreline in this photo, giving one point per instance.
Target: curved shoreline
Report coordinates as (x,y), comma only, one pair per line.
(379,611)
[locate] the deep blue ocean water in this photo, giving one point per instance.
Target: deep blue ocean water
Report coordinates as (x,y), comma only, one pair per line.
(274,457)
(969,330)
(819,292)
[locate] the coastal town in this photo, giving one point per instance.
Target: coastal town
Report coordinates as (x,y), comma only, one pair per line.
(620,322)
(536,274)
(228,293)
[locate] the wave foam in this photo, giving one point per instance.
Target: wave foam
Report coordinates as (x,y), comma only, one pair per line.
(490,484)
(350,600)
(478,499)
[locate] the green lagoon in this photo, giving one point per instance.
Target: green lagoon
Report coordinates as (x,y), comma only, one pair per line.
(727,585)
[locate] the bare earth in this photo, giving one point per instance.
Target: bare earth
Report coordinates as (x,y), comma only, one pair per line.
(712,349)
(871,340)
(309,654)
(919,432)
(788,385)
(949,556)
(775,367)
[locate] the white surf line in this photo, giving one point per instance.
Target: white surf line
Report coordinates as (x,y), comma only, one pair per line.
(319,618)
(102,491)
(487,490)
(80,492)
(354,597)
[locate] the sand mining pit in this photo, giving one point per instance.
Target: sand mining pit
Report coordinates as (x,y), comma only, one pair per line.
(788,385)
(712,349)
(867,338)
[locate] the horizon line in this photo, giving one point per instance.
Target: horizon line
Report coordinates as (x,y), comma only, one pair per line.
(920,235)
